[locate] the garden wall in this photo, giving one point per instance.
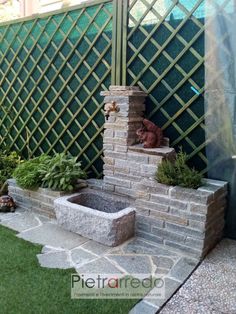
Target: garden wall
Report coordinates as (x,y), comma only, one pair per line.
(40,200)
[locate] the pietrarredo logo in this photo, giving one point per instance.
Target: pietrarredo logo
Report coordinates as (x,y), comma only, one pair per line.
(116,286)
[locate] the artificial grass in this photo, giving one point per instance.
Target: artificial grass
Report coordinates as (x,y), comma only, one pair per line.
(25,287)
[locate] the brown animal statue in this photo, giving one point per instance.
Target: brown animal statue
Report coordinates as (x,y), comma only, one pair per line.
(150,135)
(7,204)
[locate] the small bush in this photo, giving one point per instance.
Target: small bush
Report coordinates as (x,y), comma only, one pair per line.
(61,172)
(8,163)
(178,173)
(28,175)
(57,173)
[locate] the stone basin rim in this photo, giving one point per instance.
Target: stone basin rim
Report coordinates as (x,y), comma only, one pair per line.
(65,201)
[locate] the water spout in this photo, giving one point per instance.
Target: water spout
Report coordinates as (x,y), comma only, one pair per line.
(111,107)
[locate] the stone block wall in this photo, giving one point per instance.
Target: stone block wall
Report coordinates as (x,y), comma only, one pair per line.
(186,219)
(40,200)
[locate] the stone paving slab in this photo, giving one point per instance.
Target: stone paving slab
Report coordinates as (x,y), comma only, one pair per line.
(7,216)
(79,257)
(139,246)
(171,285)
(50,249)
(53,235)
(63,249)
(57,259)
(100,265)
(212,287)
(163,262)
(133,263)
(144,308)
(22,222)
(96,248)
(181,270)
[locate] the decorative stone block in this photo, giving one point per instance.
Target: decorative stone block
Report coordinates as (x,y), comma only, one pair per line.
(99,216)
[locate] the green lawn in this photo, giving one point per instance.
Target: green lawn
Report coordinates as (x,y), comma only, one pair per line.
(26,288)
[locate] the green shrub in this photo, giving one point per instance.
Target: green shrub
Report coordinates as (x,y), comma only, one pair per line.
(8,163)
(178,173)
(61,172)
(58,173)
(28,175)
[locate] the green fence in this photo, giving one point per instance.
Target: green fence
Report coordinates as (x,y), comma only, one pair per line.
(52,71)
(53,68)
(165,58)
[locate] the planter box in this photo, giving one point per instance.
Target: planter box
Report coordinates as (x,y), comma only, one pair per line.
(191,221)
(40,200)
(186,219)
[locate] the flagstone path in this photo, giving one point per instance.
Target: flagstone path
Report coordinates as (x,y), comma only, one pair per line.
(64,250)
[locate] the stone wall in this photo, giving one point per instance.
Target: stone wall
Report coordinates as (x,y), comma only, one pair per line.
(191,221)
(40,200)
(186,219)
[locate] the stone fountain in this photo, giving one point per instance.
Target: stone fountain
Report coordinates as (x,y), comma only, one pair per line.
(187,220)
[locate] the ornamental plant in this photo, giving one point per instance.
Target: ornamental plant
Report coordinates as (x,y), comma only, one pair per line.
(179,173)
(57,173)
(61,172)
(28,175)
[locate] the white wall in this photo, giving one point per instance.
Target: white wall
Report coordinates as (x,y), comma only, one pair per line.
(12,9)
(50,5)
(9,10)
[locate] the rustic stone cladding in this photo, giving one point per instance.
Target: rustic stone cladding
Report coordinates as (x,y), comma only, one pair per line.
(40,200)
(186,219)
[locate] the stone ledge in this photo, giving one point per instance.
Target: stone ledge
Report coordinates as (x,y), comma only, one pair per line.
(35,193)
(164,151)
(205,193)
(124,91)
(123,88)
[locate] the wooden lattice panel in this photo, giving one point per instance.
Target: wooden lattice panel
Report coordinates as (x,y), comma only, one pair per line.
(52,70)
(53,67)
(165,57)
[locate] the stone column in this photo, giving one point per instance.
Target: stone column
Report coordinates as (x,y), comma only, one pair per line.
(126,164)
(119,134)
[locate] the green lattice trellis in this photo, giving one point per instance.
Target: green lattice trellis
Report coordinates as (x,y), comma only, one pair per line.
(53,68)
(52,71)
(165,57)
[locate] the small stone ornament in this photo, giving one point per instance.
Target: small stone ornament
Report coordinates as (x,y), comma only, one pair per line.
(150,135)
(7,204)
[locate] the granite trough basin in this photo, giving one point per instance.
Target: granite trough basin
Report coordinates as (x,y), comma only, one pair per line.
(100,216)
